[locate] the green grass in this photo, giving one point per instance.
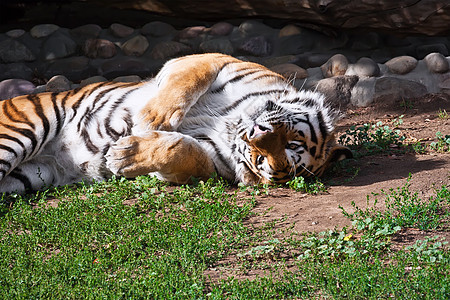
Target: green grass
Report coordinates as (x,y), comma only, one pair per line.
(142,239)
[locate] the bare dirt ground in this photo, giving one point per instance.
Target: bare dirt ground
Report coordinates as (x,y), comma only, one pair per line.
(314,213)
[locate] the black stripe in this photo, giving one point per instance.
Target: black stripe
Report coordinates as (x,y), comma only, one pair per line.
(204,138)
(242,99)
(6,163)
(22,178)
(234,79)
(16,140)
(22,117)
(109,130)
(25,132)
(40,112)
(9,149)
(57,114)
(89,144)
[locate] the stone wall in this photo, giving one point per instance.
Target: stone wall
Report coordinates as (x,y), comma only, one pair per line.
(349,68)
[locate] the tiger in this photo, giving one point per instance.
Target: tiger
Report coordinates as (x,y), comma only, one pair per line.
(202,114)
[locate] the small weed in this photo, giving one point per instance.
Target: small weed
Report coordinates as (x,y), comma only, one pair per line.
(442,114)
(372,139)
(442,144)
(299,184)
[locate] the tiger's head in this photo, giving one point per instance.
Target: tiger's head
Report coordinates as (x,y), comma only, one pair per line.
(287,135)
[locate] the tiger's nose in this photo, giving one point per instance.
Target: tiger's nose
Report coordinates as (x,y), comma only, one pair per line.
(258,130)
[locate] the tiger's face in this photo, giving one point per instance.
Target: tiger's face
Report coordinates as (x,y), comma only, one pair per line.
(284,138)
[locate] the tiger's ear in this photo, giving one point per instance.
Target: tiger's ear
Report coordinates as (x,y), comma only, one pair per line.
(338,153)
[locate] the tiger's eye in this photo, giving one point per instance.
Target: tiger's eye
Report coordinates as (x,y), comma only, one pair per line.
(292,146)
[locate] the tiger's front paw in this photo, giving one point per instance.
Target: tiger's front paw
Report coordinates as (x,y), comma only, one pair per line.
(125,158)
(163,118)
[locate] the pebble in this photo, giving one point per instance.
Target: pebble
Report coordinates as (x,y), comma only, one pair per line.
(289,30)
(14,51)
(84,32)
(76,68)
(165,50)
(290,71)
(120,30)
(135,46)
(364,67)
(401,64)
(43,30)
(436,63)
(191,32)
(15,33)
(99,48)
(58,83)
(335,66)
(337,90)
(93,79)
(220,45)
(11,88)
(256,46)
(157,29)
(221,29)
(396,89)
(58,46)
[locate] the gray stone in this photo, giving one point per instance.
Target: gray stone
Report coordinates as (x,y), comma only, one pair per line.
(93,79)
(58,83)
(315,75)
(124,66)
(278,60)
(337,90)
(58,46)
(129,78)
(74,68)
(40,89)
(252,27)
(445,86)
(15,70)
(365,67)
(15,33)
(337,65)
(11,88)
(135,46)
(165,50)
(220,45)
(221,29)
(294,44)
(157,29)
(436,63)
(290,71)
(401,64)
(191,32)
(362,94)
(424,50)
(99,48)
(256,46)
(396,89)
(14,51)
(120,30)
(43,30)
(289,30)
(84,32)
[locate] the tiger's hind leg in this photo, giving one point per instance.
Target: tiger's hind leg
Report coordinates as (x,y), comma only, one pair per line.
(36,174)
(176,157)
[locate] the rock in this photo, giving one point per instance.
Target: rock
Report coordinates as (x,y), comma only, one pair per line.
(365,67)
(43,30)
(256,46)
(337,90)
(85,32)
(290,71)
(15,70)
(436,63)
(135,46)
(191,32)
(15,33)
(165,50)
(58,46)
(289,30)
(220,45)
(445,86)
(221,29)
(368,41)
(424,50)
(14,51)
(58,83)
(396,89)
(252,27)
(401,64)
(362,94)
(99,48)
(294,44)
(129,78)
(93,79)
(157,29)
(278,60)
(124,66)
(74,68)
(335,66)
(11,88)
(120,30)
